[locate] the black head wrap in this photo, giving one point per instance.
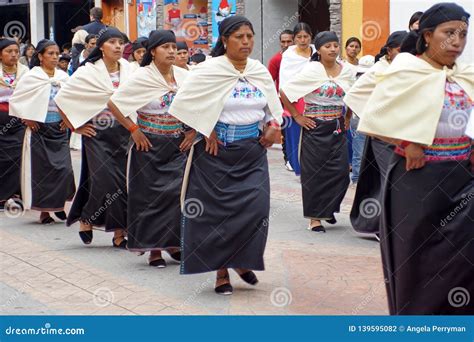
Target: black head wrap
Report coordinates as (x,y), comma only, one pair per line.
(182,46)
(394,40)
(7,42)
(198,58)
(434,16)
(157,38)
(64,57)
(226,27)
(40,48)
(109,33)
(321,39)
(140,43)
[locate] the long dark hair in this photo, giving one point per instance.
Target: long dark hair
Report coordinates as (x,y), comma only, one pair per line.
(302,27)
(394,41)
(353,39)
(415,42)
(26,49)
(414,18)
(40,49)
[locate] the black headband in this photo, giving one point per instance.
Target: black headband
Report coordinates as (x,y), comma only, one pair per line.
(140,43)
(109,33)
(7,42)
(434,16)
(324,38)
(225,27)
(441,13)
(157,38)
(182,46)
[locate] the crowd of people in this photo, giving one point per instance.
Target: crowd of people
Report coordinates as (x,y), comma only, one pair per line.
(174,155)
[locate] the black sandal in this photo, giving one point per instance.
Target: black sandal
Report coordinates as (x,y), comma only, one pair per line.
(47,220)
(60,215)
(224,289)
(160,263)
(318,229)
(121,245)
(249,277)
(86,236)
(175,256)
(332,220)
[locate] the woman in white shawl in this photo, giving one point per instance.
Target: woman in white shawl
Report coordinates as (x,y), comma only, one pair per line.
(324,154)
(226,194)
(47,176)
(12,129)
(101,199)
(365,213)
(294,59)
(422,105)
(157,159)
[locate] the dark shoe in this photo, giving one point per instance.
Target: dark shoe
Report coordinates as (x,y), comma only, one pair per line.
(249,277)
(47,220)
(160,263)
(332,220)
(86,236)
(61,215)
(122,245)
(224,289)
(318,229)
(175,256)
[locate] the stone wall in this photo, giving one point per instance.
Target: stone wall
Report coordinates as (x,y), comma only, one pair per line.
(335,15)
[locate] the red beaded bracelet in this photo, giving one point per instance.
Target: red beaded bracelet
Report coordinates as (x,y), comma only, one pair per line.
(404,144)
(133,128)
(273,124)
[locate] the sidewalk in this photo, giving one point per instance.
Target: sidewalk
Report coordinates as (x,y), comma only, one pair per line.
(47,270)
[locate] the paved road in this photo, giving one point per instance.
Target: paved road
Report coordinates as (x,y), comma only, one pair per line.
(47,270)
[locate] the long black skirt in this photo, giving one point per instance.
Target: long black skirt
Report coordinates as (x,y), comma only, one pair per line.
(12,132)
(427,238)
(101,199)
(367,206)
(226,208)
(47,174)
(154,187)
(324,169)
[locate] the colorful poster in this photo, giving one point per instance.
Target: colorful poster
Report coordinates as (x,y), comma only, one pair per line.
(146,17)
(221,9)
(188,20)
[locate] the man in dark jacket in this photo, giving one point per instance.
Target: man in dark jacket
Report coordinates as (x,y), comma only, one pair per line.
(96,25)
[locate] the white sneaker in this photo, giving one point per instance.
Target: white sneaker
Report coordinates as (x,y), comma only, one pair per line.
(288,166)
